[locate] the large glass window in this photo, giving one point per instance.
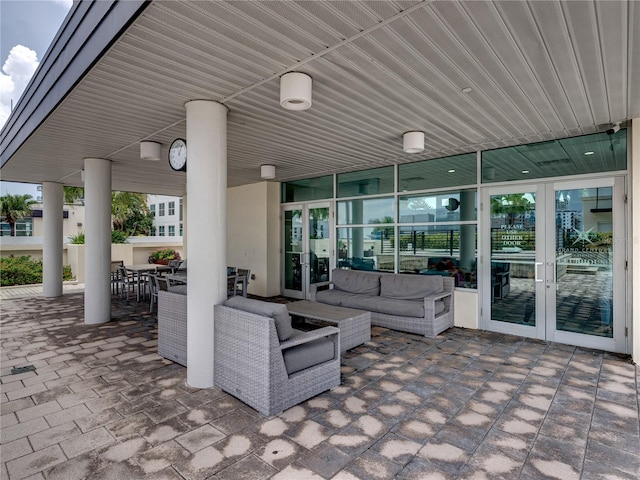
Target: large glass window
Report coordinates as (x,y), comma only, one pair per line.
(570,156)
(366,248)
(317,188)
(161,209)
(365,182)
(366,211)
(438,173)
(438,207)
(172,208)
(172,230)
(161,231)
(447,250)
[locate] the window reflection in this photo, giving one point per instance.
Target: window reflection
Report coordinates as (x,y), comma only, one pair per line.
(366,248)
(366,212)
(446,250)
(438,207)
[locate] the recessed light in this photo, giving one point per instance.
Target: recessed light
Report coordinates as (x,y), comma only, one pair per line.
(589,153)
(525,171)
(467,90)
(452,171)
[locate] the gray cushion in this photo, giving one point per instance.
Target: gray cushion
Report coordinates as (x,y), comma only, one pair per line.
(334,297)
(410,287)
(277,311)
(307,355)
(356,282)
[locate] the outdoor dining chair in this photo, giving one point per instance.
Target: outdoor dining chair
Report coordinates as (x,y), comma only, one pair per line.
(127,282)
(156,284)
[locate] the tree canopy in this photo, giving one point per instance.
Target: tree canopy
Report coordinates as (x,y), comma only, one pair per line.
(15,208)
(130,213)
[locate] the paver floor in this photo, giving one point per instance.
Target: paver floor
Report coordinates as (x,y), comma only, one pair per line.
(100,404)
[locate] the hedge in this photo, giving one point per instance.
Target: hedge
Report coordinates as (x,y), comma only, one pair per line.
(25,271)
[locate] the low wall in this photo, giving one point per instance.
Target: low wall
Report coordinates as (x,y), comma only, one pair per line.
(73,255)
(34,250)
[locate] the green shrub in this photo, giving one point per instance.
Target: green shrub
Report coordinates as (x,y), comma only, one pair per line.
(25,271)
(117,236)
(77,239)
(164,254)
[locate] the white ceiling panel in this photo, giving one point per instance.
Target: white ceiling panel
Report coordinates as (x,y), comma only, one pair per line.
(538,71)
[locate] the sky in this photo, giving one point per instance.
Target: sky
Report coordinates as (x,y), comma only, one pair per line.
(27,28)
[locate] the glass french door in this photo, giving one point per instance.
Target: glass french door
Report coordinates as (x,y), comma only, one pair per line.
(554,262)
(307,247)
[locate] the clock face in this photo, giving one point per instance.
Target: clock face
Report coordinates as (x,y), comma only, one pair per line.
(178,155)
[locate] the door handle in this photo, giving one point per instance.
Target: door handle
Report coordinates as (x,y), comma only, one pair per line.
(538,279)
(553,272)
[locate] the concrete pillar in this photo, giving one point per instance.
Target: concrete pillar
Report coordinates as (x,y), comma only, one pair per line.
(97,194)
(52,239)
(467,232)
(207,244)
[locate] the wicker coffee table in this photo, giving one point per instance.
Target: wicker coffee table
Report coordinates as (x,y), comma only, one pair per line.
(354,325)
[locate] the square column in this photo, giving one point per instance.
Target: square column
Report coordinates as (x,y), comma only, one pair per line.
(207,237)
(97,283)
(52,240)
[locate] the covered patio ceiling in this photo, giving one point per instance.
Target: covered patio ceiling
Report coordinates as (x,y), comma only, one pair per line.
(537,71)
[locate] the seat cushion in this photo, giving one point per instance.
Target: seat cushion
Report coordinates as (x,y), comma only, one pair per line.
(334,297)
(356,282)
(277,311)
(308,354)
(410,287)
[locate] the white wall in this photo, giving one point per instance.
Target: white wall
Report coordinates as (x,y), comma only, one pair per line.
(253,234)
(633,297)
(166,220)
(71,226)
(465,309)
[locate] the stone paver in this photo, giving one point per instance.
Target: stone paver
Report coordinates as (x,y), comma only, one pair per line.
(468,404)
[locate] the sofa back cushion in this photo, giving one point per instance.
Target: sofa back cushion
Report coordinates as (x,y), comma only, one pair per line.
(277,311)
(353,281)
(410,287)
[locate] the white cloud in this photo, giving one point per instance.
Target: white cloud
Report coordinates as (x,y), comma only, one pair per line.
(16,73)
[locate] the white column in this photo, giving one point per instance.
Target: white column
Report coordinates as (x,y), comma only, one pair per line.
(52,241)
(207,244)
(97,252)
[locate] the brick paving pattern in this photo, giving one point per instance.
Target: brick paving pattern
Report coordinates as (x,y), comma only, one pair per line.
(101,404)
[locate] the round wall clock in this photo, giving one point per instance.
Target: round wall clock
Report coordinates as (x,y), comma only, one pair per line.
(178,155)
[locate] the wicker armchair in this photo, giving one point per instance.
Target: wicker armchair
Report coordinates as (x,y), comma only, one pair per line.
(249,361)
(172,326)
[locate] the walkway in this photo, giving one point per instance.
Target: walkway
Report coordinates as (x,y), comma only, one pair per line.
(101,404)
(27,291)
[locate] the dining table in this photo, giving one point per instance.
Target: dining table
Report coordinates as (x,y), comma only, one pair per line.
(141,270)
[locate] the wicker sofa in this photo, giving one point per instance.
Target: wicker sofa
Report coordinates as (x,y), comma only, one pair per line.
(261,360)
(421,304)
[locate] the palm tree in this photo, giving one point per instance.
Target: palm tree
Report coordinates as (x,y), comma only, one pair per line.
(15,208)
(71,194)
(514,206)
(129,212)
